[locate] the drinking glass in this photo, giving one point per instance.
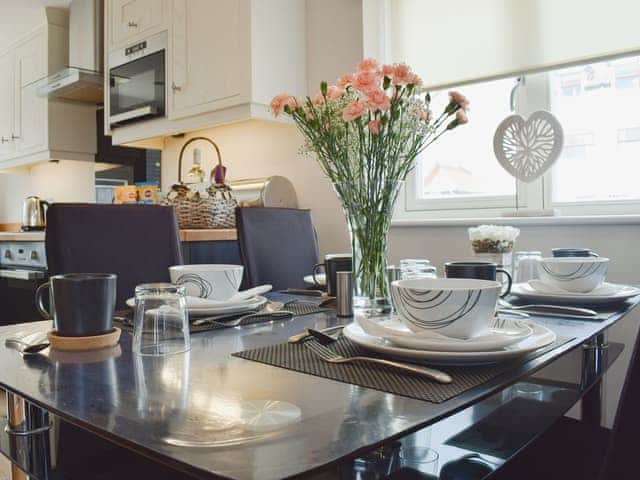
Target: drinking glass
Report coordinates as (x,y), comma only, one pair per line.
(525,266)
(423,459)
(161,320)
(416,268)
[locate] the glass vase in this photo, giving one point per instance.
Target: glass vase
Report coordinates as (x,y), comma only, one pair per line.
(368,210)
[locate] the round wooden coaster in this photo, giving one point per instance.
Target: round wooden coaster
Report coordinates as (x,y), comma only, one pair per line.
(76,344)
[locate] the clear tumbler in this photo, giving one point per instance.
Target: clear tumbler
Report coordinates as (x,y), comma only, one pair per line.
(161,321)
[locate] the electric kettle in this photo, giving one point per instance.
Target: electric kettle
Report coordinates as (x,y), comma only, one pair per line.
(34,213)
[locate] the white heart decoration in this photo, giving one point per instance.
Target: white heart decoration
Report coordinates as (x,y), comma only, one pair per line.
(527,149)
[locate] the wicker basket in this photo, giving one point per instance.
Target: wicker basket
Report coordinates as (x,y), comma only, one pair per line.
(194,211)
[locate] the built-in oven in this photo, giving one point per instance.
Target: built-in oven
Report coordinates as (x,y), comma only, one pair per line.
(23,268)
(137,81)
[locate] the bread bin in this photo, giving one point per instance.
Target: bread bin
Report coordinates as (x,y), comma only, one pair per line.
(274,191)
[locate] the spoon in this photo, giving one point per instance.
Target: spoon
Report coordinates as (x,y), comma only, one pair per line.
(28,345)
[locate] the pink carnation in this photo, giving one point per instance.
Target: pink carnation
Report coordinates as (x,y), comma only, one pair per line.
(402,74)
(334,92)
(345,80)
(387,70)
(279,101)
(461,117)
(374,126)
(317,99)
(460,99)
(368,65)
(366,81)
(415,80)
(353,111)
(378,100)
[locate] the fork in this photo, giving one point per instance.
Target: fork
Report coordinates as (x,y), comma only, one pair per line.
(330,356)
(272,309)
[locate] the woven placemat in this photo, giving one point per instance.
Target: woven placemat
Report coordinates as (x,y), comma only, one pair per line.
(387,379)
(124,320)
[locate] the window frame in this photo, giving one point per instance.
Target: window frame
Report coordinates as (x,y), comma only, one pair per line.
(533,199)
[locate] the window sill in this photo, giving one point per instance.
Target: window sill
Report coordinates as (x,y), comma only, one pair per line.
(558,220)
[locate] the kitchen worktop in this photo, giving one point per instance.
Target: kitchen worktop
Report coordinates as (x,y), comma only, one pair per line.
(185,236)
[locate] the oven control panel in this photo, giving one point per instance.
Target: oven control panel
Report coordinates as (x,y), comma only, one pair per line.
(23,254)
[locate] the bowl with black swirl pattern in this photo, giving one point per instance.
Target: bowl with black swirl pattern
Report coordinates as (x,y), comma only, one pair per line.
(455,307)
(573,274)
(212,281)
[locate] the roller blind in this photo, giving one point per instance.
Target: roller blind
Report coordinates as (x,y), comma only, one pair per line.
(452,42)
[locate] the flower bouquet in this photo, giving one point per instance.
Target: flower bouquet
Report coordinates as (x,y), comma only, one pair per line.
(366,132)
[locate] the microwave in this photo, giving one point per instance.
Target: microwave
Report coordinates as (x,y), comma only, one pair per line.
(137,81)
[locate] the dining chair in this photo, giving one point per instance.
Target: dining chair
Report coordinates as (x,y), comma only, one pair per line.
(573,449)
(277,246)
(136,242)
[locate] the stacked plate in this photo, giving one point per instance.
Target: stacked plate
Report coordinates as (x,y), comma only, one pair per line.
(539,291)
(505,339)
(199,307)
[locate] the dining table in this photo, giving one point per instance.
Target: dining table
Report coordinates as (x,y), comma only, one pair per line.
(184,411)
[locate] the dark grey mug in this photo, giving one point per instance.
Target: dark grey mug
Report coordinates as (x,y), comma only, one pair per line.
(333,263)
(82,304)
(479,270)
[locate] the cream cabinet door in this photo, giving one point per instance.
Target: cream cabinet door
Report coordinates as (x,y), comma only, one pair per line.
(30,112)
(209,66)
(130,19)
(7,92)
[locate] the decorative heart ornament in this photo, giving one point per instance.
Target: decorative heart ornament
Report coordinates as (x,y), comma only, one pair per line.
(527,149)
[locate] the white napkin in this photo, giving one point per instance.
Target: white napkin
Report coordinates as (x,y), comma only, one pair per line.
(239,298)
(605,289)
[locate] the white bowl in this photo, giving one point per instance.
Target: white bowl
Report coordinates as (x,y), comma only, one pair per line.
(214,281)
(456,307)
(573,274)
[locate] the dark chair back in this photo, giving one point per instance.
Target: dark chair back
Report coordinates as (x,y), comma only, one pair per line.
(136,242)
(277,246)
(621,461)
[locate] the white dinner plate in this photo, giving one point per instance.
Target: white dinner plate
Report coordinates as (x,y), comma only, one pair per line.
(200,307)
(321,277)
(503,332)
(540,337)
(611,293)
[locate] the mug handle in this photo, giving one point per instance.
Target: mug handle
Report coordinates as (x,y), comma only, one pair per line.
(313,273)
(40,300)
(509,281)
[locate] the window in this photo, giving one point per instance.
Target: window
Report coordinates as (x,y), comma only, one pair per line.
(601,157)
(597,172)
(461,165)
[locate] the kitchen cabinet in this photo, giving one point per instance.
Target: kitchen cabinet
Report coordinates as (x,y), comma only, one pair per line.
(30,110)
(208,68)
(6,100)
(34,128)
(226,59)
(130,19)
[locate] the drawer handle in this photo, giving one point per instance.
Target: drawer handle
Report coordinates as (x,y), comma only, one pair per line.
(4,140)
(14,137)
(133,24)
(26,433)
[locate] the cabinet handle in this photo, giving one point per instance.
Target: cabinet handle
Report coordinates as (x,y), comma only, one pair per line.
(14,137)
(133,24)
(175,88)
(4,140)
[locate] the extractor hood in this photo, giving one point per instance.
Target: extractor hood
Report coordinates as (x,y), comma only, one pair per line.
(83,80)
